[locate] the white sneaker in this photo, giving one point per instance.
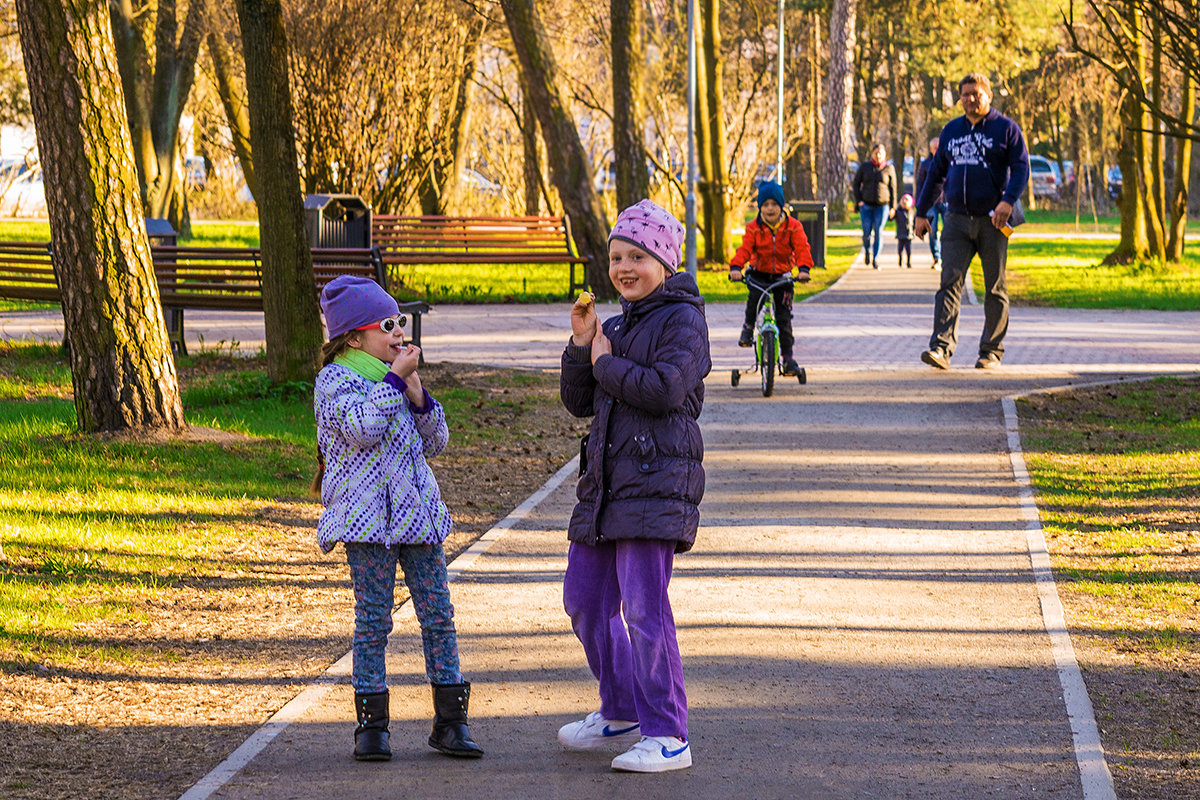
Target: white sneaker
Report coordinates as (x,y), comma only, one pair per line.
(595,731)
(655,754)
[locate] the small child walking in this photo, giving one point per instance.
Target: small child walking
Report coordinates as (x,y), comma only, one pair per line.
(904,230)
(376,426)
(640,377)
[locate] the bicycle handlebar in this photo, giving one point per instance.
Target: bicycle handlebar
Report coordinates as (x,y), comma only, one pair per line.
(784,280)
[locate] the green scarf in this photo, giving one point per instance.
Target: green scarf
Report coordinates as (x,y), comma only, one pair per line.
(357,361)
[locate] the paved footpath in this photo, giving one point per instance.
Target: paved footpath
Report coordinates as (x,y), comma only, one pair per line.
(859,617)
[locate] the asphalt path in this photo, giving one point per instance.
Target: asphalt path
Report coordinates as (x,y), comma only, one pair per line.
(859,617)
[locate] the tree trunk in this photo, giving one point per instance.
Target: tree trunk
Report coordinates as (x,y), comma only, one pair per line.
(155,98)
(838,117)
(121,366)
(1133,244)
(1183,168)
(710,134)
(570,169)
(532,165)
(633,181)
(237,115)
(290,310)
(438,187)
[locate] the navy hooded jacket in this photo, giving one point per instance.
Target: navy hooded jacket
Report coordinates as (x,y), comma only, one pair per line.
(977,166)
(641,472)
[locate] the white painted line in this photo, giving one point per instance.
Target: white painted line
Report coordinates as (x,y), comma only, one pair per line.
(1089,754)
(340,670)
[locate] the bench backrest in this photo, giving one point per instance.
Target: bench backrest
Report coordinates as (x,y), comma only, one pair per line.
(188,277)
(470,235)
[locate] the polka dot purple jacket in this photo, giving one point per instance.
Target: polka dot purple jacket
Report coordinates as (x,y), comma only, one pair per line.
(377,487)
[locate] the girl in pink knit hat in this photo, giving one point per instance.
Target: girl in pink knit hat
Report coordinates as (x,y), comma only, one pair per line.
(640,376)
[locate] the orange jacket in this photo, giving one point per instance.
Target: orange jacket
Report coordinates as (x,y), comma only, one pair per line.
(774,252)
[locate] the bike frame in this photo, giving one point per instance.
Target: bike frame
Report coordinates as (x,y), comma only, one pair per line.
(766,317)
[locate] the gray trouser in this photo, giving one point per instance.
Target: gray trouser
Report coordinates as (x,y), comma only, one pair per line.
(964,236)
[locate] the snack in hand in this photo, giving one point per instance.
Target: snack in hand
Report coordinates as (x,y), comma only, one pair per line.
(586,298)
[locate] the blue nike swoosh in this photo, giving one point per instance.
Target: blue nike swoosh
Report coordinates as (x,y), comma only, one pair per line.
(672,753)
(610,732)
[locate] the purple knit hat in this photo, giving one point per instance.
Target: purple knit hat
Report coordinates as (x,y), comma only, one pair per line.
(652,228)
(350,301)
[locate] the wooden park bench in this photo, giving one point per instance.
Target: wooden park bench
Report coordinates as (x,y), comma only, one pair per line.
(224,278)
(479,240)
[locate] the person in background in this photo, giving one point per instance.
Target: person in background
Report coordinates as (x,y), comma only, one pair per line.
(773,245)
(937,211)
(875,193)
(904,224)
(982,165)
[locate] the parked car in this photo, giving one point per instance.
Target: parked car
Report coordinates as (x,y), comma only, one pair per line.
(1045,177)
(477,182)
(24,195)
(1114,183)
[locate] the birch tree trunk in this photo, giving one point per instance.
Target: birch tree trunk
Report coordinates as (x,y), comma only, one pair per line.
(837,108)
(290,311)
(121,366)
(570,169)
(633,181)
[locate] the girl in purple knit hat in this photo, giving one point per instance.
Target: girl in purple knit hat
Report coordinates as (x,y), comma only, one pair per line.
(376,426)
(640,376)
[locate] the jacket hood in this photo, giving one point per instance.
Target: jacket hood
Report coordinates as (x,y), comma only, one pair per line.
(678,288)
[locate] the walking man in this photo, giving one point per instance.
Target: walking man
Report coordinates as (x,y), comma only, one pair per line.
(937,212)
(982,166)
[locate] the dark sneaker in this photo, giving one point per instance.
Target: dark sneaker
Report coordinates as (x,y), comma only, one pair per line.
(747,337)
(936,358)
(988,361)
(790,367)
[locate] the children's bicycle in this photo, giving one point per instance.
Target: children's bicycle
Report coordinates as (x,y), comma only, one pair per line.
(767,358)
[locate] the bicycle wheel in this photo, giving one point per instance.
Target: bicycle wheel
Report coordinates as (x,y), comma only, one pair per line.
(766,363)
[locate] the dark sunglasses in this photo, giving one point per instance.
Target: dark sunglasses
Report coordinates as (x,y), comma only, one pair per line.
(387,325)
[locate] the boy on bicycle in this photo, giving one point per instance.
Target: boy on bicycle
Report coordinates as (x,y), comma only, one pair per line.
(774,243)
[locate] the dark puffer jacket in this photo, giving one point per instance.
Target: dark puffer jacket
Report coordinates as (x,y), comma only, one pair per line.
(642,476)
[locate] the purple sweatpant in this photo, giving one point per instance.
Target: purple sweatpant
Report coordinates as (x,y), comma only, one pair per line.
(635,658)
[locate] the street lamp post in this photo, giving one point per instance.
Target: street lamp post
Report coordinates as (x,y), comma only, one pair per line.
(779,103)
(690,203)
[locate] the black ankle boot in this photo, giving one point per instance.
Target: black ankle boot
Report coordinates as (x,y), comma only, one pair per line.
(450,734)
(371,735)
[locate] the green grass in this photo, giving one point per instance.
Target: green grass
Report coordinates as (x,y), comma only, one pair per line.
(1117,477)
(1068,274)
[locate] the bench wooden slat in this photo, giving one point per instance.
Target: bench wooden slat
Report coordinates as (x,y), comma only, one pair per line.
(196,277)
(414,240)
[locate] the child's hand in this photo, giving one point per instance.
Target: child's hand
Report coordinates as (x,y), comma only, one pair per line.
(584,322)
(406,361)
(735,274)
(601,345)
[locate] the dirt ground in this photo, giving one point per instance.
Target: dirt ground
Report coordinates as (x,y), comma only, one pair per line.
(223,651)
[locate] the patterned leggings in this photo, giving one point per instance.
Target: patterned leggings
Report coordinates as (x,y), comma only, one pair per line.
(373,570)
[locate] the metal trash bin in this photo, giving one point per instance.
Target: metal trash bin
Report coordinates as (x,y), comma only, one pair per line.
(337,220)
(814,217)
(161,233)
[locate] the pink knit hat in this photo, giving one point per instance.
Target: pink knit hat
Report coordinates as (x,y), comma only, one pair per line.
(652,228)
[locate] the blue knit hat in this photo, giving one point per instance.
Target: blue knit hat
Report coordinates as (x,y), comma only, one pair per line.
(770,190)
(350,301)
